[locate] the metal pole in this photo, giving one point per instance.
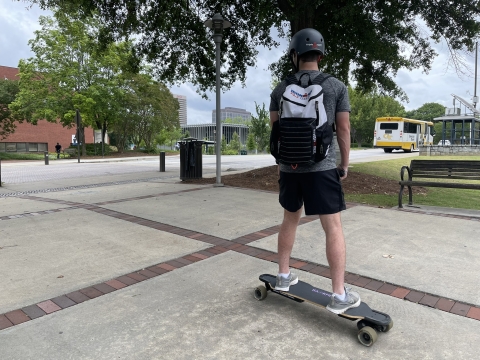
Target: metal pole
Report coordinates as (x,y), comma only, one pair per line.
(0,172)
(218,40)
(475,90)
(162,161)
(78,134)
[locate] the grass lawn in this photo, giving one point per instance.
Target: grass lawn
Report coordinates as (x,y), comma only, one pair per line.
(390,169)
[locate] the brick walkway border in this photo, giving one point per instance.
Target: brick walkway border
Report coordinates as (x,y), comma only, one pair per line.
(219,246)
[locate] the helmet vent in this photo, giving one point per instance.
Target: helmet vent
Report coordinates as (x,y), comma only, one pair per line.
(308,39)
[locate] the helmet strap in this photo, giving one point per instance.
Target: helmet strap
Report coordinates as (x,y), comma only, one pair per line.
(295,66)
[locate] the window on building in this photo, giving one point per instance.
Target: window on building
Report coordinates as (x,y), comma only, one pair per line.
(11,147)
(33,147)
(2,147)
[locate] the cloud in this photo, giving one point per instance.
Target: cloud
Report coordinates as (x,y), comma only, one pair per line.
(19,22)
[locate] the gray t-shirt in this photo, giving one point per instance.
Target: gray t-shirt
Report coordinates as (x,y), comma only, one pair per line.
(335,99)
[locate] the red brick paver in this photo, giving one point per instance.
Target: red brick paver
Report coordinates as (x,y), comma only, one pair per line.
(400,293)
(444,304)
(387,289)
(4,322)
(115,284)
(49,306)
(17,317)
(166,267)
(474,313)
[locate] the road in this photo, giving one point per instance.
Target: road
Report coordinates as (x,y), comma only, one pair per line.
(31,171)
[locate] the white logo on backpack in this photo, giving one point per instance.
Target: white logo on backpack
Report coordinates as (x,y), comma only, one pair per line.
(298,102)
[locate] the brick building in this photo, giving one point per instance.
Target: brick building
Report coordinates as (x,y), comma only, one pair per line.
(40,137)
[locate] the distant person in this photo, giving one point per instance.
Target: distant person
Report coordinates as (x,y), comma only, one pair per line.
(58,148)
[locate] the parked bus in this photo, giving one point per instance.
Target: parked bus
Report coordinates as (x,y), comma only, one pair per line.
(397,133)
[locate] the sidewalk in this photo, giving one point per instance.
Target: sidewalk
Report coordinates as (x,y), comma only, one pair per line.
(156,269)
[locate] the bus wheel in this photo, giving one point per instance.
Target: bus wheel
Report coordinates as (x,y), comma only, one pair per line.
(410,150)
(388,150)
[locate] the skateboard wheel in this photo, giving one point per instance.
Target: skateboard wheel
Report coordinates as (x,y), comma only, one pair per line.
(367,336)
(260,292)
(389,326)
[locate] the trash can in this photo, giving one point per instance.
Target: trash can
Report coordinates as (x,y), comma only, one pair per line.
(190,159)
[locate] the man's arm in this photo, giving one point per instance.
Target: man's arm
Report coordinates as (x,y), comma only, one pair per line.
(273,118)
(342,122)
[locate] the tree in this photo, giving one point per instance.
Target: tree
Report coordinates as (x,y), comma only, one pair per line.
(251,142)
(374,38)
(8,92)
(365,109)
(223,145)
(427,112)
(234,143)
(152,108)
(260,127)
(68,73)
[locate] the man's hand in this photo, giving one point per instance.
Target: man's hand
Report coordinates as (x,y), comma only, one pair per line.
(342,172)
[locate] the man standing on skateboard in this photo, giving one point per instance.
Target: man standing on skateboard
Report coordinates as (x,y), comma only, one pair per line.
(316,186)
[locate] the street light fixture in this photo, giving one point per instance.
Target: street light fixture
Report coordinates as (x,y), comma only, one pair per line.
(217,24)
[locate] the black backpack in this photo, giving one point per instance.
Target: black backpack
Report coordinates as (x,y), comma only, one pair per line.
(302,134)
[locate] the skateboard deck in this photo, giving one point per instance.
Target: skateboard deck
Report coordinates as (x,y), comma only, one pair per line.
(300,292)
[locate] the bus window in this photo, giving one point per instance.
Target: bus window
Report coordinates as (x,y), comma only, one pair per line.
(388,126)
(409,128)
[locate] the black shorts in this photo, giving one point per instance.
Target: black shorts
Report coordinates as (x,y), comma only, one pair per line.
(320,191)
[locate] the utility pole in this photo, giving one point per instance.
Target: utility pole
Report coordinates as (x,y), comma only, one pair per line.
(475,99)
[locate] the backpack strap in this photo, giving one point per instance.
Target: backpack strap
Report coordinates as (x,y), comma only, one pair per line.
(321,78)
(291,79)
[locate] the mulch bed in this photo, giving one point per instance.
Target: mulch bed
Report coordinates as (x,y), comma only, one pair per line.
(267,179)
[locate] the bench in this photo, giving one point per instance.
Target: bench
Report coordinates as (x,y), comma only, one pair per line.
(443,170)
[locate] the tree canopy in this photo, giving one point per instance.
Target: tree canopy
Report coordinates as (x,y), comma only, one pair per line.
(71,71)
(374,38)
(8,92)
(260,127)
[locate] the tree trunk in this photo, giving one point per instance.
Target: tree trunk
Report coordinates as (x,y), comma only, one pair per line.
(104,131)
(81,140)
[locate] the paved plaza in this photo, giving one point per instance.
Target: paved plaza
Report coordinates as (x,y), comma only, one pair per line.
(124,264)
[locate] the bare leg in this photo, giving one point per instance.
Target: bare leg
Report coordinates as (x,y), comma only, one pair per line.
(335,248)
(286,238)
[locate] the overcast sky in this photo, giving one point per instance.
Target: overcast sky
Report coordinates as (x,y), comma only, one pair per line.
(19,23)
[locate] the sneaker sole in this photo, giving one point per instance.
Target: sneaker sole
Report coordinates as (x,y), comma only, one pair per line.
(341,311)
(294,282)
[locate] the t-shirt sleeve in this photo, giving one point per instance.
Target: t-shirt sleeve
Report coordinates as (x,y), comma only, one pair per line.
(276,96)
(274,105)
(343,102)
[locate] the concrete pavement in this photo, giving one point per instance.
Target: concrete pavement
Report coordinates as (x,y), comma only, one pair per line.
(140,266)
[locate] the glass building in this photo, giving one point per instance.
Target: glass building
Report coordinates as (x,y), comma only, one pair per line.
(239,116)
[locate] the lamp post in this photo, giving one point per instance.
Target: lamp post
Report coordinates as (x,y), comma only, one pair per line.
(217,24)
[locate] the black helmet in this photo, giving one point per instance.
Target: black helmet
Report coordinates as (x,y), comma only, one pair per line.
(304,41)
